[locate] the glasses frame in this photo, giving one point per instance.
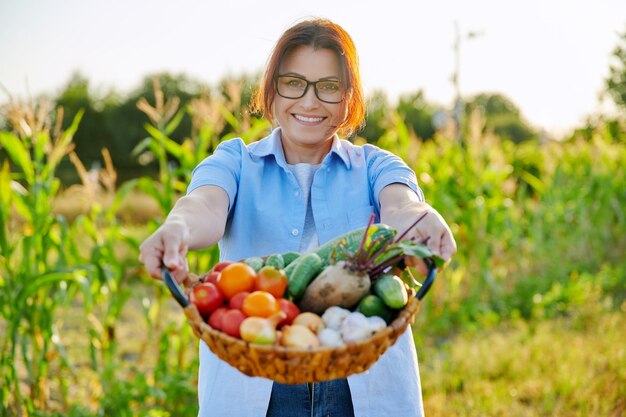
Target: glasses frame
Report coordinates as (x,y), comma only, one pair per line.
(306,88)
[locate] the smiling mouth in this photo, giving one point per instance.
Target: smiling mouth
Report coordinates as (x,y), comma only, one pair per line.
(308,119)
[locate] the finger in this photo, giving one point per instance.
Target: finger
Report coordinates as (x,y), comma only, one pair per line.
(448,247)
(171,253)
(149,255)
(434,244)
(446,251)
(411,261)
(182,272)
(418,265)
(152,262)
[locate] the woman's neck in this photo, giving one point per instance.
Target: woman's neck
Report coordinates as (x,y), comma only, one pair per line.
(301,153)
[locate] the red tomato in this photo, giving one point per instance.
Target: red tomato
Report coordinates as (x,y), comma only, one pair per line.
(216,317)
(237,300)
(211,277)
(271,280)
(290,309)
(231,320)
(206,297)
(221,265)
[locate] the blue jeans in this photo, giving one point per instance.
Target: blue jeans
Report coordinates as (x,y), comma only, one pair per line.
(321,399)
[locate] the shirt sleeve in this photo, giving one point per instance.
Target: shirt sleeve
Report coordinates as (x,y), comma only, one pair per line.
(384,168)
(222,168)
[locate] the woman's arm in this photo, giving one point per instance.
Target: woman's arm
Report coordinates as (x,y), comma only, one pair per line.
(197,221)
(400,208)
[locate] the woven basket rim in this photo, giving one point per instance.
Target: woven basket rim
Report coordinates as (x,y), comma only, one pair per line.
(268,360)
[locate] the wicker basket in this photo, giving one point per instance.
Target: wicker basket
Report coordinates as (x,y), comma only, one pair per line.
(296,366)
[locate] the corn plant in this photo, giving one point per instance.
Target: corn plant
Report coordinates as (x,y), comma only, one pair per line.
(177,161)
(36,275)
(515,209)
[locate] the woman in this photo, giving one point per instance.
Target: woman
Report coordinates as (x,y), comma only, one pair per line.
(292,191)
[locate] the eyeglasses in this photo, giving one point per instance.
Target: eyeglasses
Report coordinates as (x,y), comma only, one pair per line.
(293,87)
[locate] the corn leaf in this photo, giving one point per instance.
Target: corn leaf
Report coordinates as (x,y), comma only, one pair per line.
(142,146)
(533,181)
(63,146)
(229,117)
(173,124)
(170,146)
(48,279)
(19,154)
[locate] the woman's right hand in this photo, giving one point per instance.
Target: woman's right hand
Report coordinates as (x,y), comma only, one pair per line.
(167,246)
(197,221)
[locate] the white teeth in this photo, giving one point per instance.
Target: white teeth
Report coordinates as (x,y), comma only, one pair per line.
(308,119)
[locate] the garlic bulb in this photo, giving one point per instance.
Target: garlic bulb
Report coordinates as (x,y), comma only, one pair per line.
(376,323)
(333,316)
(330,337)
(355,327)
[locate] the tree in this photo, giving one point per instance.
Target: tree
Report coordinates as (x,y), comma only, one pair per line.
(377,111)
(92,134)
(616,82)
(126,122)
(502,117)
(417,114)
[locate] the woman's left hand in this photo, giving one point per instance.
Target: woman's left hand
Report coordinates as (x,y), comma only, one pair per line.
(400,208)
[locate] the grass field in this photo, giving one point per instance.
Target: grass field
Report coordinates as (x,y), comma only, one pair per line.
(567,367)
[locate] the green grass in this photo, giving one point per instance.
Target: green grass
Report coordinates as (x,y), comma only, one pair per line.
(574,366)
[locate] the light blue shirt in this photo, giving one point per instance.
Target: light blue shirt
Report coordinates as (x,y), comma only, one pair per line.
(267,215)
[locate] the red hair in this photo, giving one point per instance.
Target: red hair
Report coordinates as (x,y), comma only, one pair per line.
(318,34)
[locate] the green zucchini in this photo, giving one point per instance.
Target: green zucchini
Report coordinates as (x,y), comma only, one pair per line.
(308,266)
(276,260)
(352,240)
(255,262)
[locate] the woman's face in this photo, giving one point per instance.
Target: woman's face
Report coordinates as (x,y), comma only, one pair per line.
(308,123)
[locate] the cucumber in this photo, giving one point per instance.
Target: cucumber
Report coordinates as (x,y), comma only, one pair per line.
(289,257)
(352,240)
(390,288)
(255,262)
(308,267)
(373,305)
(276,260)
(292,265)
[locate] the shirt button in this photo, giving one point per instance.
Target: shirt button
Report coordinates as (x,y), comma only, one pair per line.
(297,193)
(294,232)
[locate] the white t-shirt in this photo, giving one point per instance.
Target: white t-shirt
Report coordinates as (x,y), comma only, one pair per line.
(304,174)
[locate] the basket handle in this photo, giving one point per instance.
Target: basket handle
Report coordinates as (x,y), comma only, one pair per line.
(430,278)
(173,287)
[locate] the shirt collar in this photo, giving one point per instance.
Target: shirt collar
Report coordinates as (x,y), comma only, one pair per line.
(273,146)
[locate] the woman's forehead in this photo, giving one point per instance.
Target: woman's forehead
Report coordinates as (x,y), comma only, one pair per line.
(310,62)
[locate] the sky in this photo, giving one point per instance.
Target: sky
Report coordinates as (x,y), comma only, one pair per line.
(550,57)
